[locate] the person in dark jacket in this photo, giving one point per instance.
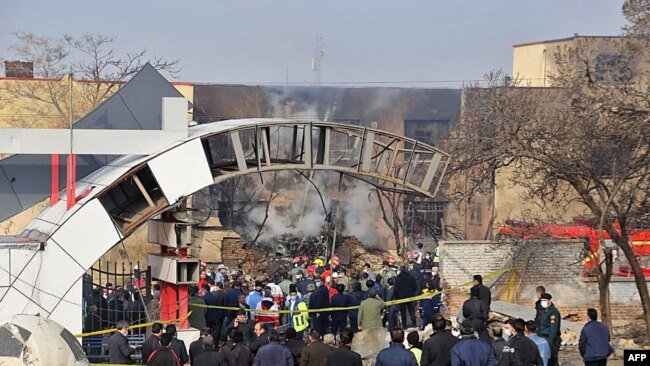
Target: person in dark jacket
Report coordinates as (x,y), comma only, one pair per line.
(391,311)
(416,273)
(119,351)
(396,354)
(436,351)
(177,345)
(153,342)
(209,356)
(165,355)
(261,339)
(196,305)
(469,351)
(116,308)
(431,305)
(212,315)
(549,326)
(523,351)
(243,323)
(594,341)
(344,356)
(197,346)
(355,298)
(295,345)
(237,353)
(231,299)
(273,353)
(500,345)
(405,287)
(340,318)
(484,292)
(315,353)
(320,299)
(474,309)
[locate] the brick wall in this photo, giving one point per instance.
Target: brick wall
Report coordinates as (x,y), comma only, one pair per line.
(552,264)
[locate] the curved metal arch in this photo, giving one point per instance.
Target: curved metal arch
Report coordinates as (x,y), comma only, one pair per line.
(120,197)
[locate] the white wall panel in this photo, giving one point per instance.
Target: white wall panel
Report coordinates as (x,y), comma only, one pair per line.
(182,170)
(13,303)
(69,312)
(54,274)
(5,273)
(88,234)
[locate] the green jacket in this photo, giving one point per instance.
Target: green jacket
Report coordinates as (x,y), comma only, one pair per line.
(197,318)
(549,324)
(370,313)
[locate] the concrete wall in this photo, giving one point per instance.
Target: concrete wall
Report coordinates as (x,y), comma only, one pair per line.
(552,264)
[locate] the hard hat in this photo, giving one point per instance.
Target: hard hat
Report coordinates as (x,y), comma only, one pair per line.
(304,258)
(319,262)
(415,254)
(391,261)
(335,260)
(334,275)
(296,260)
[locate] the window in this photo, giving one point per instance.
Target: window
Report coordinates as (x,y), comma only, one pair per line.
(423,219)
(475,213)
(613,68)
(426,131)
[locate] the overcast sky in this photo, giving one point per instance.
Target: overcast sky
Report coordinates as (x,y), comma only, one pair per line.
(235,41)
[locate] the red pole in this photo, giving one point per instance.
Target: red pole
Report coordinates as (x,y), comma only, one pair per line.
(54,197)
(71,169)
(183,295)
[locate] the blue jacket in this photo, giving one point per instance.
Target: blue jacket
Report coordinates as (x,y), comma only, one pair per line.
(253,298)
(380,290)
(319,299)
(396,355)
(594,341)
(469,351)
(355,300)
(340,301)
(211,314)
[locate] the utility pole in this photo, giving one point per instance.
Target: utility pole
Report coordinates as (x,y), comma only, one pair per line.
(317,58)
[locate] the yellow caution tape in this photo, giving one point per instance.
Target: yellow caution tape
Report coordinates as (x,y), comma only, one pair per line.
(143,325)
(330,309)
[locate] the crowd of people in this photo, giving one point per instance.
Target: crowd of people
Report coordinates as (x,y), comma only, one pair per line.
(292,319)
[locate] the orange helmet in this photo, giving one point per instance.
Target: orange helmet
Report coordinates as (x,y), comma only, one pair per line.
(296,260)
(304,258)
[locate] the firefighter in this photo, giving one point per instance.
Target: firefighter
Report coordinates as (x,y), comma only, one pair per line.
(550,326)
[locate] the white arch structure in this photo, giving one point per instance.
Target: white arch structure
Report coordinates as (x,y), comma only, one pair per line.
(120,197)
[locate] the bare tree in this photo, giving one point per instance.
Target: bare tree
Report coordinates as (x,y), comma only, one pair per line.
(389,204)
(91,59)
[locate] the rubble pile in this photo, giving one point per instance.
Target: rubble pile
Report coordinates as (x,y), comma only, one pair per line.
(360,255)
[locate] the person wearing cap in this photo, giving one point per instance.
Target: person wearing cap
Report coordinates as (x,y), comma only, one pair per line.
(549,326)
(334,281)
(470,351)
(370,311)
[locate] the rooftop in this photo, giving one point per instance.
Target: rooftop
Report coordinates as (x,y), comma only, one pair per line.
(557,40)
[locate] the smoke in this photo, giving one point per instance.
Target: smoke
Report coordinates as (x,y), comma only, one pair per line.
(362,216)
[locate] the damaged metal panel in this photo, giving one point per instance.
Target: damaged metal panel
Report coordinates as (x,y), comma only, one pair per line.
(431,171)
(239,151)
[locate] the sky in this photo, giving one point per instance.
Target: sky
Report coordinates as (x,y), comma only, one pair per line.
(426,43)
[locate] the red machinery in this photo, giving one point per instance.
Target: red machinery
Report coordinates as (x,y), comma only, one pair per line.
(639,239)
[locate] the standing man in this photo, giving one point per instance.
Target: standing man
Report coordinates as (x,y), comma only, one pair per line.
(436,351)
(320,299)
(484,292)
(396,354)
(474,309)
(594,341)
(538,304)
(315,353)
(470,351)
(197,346)
(542,344)
(273,354)
(344,356)
(370,311)
(153,342)
(340,317)
(254,297)
(177,345)
(119,351)
(549,326)
(523,350)
(405,287)
(261,339)
(196,307)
